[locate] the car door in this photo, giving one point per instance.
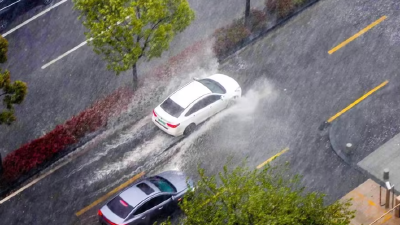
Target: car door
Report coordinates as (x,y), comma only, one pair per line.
(212,104)
(166,206)
(216,105)
(197,113)
(147,213)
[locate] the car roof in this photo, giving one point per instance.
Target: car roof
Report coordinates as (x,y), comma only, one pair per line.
(133,195)
(189,93)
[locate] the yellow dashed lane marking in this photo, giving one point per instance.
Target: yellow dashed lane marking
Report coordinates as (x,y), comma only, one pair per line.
(109,194)
(357,101)
(344,43)
(272,158)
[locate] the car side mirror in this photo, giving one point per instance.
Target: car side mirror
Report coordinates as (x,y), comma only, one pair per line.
(196,78)
(223,97)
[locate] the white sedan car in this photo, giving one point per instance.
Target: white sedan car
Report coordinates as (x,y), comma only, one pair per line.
(194,103)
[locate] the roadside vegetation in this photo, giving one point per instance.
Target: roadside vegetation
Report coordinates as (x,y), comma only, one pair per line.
(11,93)
(233,36)
(266,196)
(124,31)
(30,158)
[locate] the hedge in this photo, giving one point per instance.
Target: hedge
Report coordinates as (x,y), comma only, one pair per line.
(38,151)
(229,36)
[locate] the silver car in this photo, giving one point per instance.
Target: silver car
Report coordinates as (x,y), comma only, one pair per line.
(146,201)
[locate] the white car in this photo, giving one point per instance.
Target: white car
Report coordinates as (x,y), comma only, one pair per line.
(194,103)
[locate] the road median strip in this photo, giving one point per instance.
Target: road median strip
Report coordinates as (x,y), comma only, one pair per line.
(109,194)
(352,38)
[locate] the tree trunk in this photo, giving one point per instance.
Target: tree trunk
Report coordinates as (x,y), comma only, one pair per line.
(1,165)
(135,77)
(247,14)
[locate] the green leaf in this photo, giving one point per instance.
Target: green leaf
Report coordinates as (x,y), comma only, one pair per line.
(243,196)
(148,31)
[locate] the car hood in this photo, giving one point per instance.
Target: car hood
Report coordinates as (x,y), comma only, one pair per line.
(178,179)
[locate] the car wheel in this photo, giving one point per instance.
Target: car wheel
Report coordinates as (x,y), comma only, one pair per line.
(189,129)
(46,2)
(3,24)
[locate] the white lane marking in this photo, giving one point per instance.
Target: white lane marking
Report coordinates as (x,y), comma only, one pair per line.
(85,148)
(34,17)
(65,54)
(76,48)
(10,5)
(33,182)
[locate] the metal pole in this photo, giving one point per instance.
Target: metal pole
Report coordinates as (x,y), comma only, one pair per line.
(380,196)
(247,14)
(386,178)
(1,165)
(387,198)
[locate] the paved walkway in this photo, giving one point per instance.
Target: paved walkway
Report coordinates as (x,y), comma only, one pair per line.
(366,203)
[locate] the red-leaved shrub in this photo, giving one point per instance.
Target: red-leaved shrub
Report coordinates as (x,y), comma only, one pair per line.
(271,5)
(175,63)
(40,150)
(258,19)
(31,155)
(228,37)
(285,7)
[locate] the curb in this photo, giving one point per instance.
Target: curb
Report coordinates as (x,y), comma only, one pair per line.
(20,181)
(349,162)
(259,34)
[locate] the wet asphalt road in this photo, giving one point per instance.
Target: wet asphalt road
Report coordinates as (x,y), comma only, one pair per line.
(292,86)
(72,84)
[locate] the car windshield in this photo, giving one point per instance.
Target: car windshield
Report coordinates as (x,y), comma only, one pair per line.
(214,86)
(172,108)
(119,207)
(162,184)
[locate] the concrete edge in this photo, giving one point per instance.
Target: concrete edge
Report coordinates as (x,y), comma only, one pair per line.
(249,41)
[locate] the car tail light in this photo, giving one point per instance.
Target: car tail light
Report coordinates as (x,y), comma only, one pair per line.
(154,113)
(99,213)
(173,126)
(123,203)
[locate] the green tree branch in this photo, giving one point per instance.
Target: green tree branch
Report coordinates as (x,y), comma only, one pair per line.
(147,28)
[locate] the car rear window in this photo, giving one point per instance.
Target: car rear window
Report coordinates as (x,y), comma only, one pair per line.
(119,207)
(214,86)
(162,184)
(172,108)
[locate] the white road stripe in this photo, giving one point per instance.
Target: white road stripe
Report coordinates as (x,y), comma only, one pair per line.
(87,147)
(33,18)
(34,182)
(76,48)
(65,54)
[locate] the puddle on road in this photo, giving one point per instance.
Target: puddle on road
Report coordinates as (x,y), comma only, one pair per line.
(187,153)
(132,159)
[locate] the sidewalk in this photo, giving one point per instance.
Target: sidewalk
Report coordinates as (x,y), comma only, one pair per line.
(386,156)
(365,200)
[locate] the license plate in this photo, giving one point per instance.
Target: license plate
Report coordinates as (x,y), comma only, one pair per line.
(159,120)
